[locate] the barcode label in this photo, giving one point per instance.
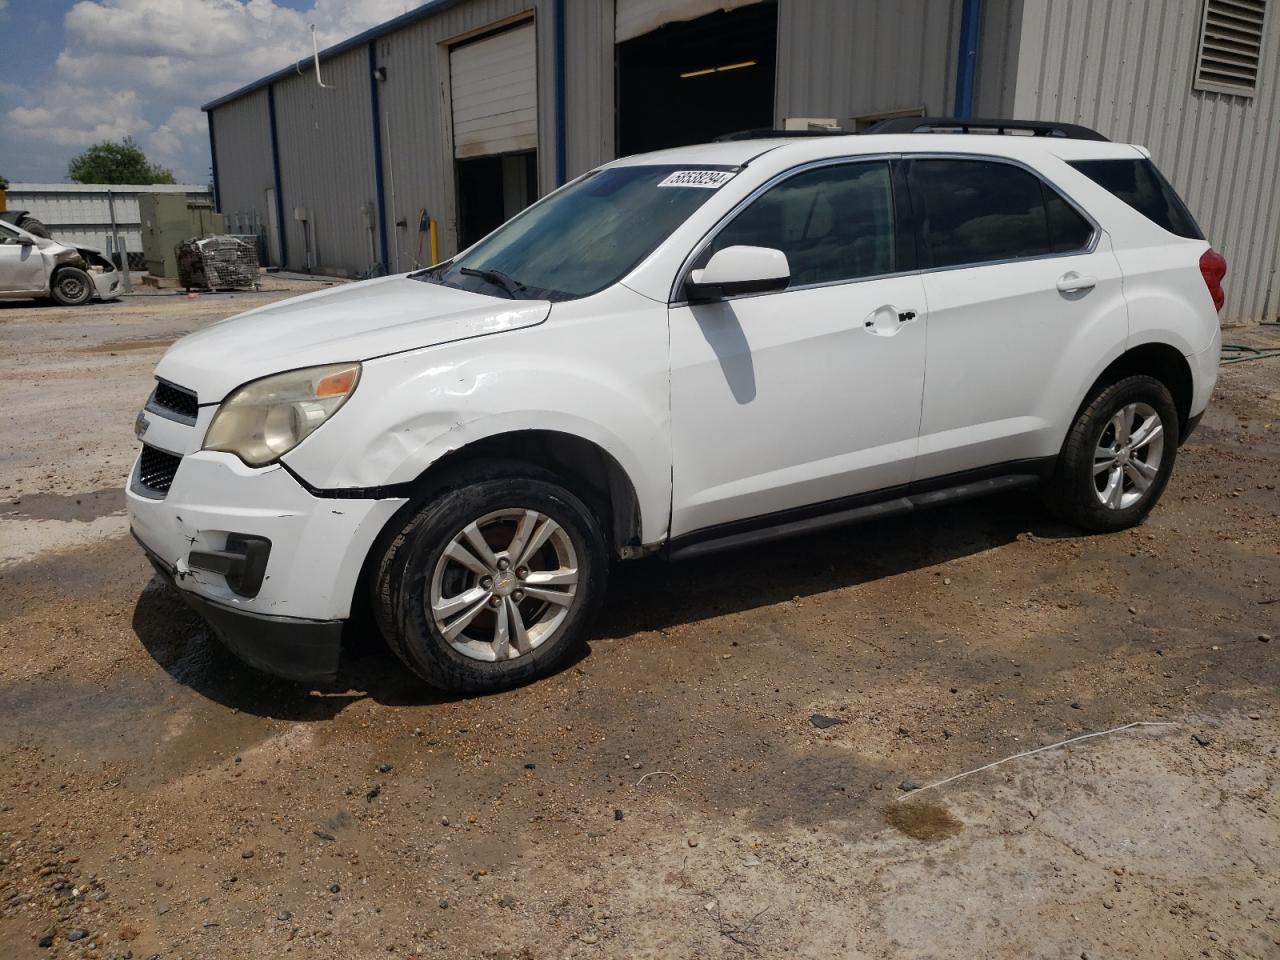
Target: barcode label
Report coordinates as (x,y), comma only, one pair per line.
(706,179)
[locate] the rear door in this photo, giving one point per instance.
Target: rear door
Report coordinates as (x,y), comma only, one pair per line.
(1024,296)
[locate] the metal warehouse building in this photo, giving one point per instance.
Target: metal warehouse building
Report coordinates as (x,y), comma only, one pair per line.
(464,111)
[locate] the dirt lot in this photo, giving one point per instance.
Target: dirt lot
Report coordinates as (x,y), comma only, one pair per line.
(679,791)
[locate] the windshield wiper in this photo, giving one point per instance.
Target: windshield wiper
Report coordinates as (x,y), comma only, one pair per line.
(512,286)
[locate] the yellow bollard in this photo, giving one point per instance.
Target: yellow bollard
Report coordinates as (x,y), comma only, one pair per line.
(435,242)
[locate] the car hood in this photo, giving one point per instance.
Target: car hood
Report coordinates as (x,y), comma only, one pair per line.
(353,321)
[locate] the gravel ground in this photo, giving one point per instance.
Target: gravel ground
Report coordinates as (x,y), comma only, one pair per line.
(720,775)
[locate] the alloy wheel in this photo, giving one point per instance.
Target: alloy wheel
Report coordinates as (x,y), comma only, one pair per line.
(1127,459)
(504,585)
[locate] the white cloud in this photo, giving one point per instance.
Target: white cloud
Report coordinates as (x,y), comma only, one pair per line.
(142,67)
(62,116)
(174,134)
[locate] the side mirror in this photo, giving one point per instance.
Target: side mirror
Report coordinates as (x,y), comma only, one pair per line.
(736,270)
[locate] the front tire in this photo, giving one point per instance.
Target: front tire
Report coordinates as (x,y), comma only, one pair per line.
(1117,458)
(71,287)
(493,583)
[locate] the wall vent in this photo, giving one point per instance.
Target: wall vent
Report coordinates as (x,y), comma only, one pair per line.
(1231,36)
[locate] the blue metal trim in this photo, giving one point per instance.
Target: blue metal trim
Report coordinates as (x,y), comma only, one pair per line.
(561,138)
(967,62)
(375,105)
(213,164)
(373,33)
(275,169)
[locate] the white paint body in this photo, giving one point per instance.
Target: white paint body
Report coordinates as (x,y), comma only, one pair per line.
(715,412)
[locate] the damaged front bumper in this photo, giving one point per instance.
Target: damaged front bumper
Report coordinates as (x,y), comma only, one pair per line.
(271,568)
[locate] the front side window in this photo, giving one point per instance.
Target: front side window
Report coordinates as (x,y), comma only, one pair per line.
(834,223)
(978,211)
(583,238)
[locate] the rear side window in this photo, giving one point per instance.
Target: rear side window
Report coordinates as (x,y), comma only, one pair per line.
(978,211)
(834,223)
(1139,184)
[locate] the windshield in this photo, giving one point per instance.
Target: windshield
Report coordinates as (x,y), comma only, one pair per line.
(585,237)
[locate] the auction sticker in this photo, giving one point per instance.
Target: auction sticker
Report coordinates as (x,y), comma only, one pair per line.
(706,179)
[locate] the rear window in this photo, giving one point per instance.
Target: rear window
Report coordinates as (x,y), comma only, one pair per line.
(1139,184)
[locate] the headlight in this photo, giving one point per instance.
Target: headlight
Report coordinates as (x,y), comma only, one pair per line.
(265,419)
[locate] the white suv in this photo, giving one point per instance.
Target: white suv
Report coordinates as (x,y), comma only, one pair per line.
(685,351)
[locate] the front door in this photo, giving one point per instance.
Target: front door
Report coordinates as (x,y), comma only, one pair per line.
(21,265)
(810,394)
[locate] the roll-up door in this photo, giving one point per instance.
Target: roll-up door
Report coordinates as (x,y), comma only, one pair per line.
(634,18)
(494,85)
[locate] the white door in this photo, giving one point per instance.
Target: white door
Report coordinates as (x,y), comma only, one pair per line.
(1024,295)
(811,394)
(22,268)
(494,88)
(634,18)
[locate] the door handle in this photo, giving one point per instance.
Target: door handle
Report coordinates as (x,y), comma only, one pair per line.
(1073,282)
(887,320)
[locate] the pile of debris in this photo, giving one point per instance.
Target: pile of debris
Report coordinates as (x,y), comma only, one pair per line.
(218,263)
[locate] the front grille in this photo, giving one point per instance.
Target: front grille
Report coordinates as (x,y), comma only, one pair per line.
(156,469)
(175,400)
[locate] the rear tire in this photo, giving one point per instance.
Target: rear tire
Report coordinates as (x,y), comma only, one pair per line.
(71,287)
(1117,458)
(493,582)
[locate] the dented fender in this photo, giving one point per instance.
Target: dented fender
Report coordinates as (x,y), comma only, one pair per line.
(596,369)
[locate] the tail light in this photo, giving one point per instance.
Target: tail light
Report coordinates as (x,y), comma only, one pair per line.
(1213,267)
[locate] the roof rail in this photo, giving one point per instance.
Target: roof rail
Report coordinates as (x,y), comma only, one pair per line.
(1035,128)
(767,134)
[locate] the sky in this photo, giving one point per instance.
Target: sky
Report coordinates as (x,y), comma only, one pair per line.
(76,72)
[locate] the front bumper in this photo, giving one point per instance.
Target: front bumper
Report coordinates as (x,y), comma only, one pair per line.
(107,285)
(307,651)
(291,622)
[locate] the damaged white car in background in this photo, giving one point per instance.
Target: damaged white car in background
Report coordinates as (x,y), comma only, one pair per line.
(34,267)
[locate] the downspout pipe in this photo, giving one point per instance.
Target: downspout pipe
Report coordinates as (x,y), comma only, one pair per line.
(967,62)
(281,233)
(213,164)
(558,29)
(380,197)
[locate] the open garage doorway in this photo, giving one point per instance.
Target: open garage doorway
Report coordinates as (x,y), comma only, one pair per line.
(492,190)
(493,88)
(689,82)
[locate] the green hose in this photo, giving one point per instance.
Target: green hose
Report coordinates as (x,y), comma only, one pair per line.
(1244,353)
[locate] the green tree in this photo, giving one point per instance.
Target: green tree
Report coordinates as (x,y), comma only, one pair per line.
(112,162)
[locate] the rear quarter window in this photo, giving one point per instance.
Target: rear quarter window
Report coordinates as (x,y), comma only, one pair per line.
(1139,184)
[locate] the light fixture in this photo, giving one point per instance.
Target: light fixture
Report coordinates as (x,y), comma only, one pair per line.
(728,66)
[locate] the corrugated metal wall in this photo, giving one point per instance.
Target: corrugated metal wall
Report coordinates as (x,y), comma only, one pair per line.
(998,58)
(325,141)
(242,133)
(589,83)
(79,213)
(1125,68)
(838,59)
(417,137)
